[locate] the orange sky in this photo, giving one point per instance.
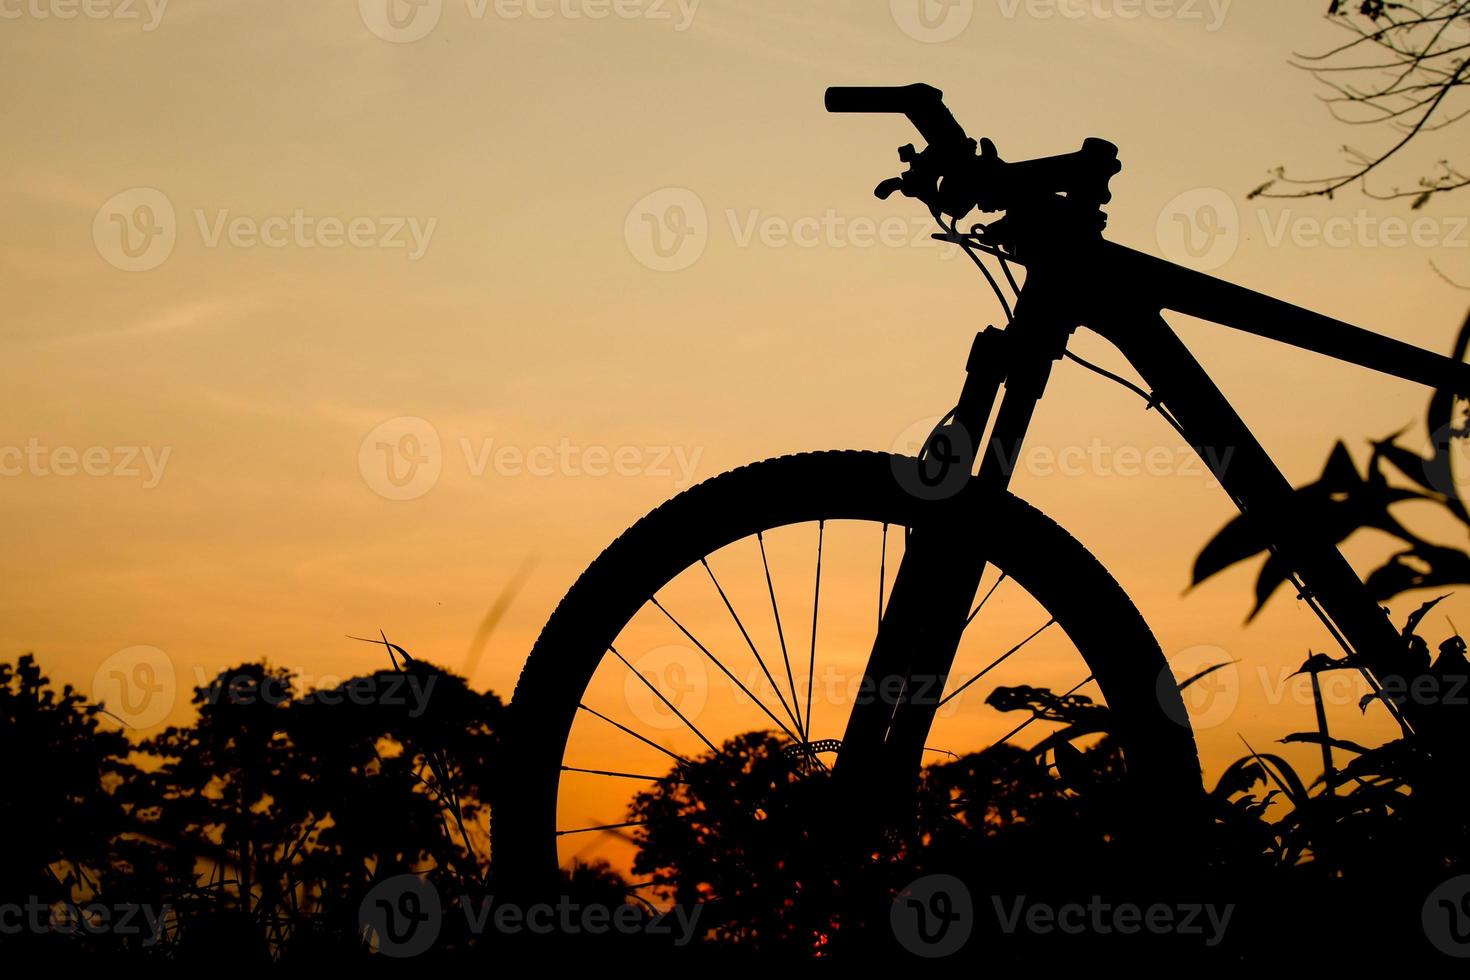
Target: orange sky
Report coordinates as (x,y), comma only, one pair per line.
(358,228)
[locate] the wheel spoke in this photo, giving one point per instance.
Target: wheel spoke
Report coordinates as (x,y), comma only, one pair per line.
(642,738)
(882,573)
(603,826)
(751,643)
(811,670)
(725,670)
(981,605)
(994,664)
(623,775)
(666,702)
(780,633)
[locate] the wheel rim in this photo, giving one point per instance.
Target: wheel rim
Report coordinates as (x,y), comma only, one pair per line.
(750,661)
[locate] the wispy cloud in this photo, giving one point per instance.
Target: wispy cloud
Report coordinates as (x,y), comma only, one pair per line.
(782,34)
(179,317)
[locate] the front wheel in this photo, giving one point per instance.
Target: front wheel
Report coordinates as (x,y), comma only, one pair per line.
(751,601)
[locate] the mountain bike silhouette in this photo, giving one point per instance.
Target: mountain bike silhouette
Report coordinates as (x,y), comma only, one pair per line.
(952,518)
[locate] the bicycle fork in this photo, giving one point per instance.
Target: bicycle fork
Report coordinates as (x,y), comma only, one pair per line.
(945,555)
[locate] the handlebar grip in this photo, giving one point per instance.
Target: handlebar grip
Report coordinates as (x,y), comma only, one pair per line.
(922,104)
(879,98)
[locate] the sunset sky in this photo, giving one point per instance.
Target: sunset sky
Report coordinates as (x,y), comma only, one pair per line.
(335,225)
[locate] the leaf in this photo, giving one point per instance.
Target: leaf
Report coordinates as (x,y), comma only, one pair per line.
(1320,663)
(1234,542)
(1258,809)
(1339,472)
(1412,623)
(1238,777)
(1394,577)
(1274,571)
(1205,673)
(1410,464)
(1451,661)
(1395,761)
(1075,709)
(1341,501)
(1315,738)
(1444,566)
(1439,420)
(1284,776)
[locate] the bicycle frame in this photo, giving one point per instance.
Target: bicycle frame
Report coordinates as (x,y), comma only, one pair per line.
(1063,291)
(1252,479)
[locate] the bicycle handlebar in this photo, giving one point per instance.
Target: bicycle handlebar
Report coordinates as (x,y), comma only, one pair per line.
(952,179)
(922,104)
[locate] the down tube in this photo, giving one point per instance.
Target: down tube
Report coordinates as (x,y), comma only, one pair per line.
(1248,474)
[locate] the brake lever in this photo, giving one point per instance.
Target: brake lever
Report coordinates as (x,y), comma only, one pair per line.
(921,181)
(886,188)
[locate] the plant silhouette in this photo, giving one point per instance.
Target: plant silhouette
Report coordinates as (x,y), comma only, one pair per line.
(1349,501)
(262,824)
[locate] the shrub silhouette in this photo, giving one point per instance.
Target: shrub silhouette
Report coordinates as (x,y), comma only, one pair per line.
(263,823)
